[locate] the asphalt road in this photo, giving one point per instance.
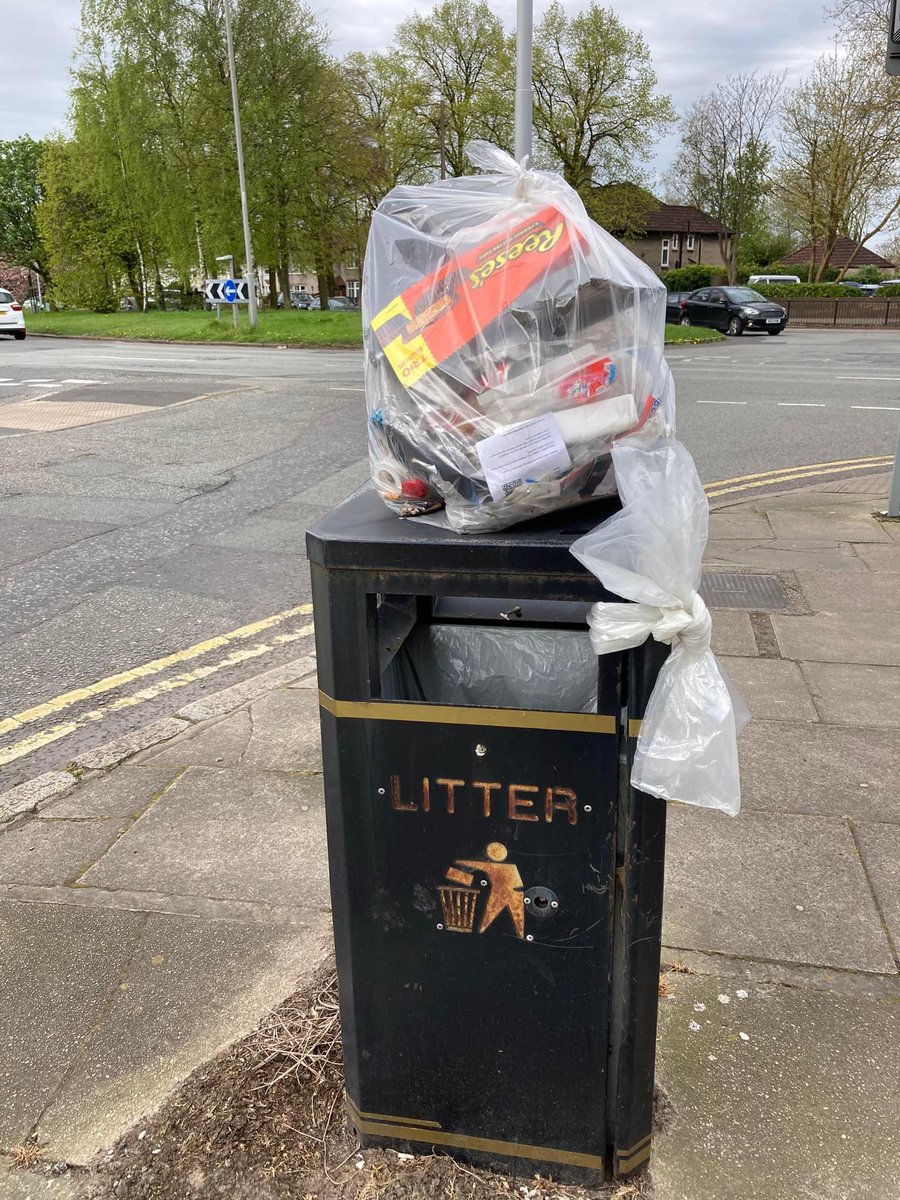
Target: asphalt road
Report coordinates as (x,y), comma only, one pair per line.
(182,519)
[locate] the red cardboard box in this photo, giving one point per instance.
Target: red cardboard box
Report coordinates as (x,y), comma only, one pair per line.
(436,317)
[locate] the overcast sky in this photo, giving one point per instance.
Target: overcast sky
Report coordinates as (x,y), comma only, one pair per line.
(694,43)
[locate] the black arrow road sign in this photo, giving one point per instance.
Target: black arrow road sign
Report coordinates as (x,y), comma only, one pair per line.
(227,291)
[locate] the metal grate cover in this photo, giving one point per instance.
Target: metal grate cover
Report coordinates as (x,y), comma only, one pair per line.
(754,593)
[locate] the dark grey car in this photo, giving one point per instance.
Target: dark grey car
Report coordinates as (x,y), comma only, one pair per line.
(733,310)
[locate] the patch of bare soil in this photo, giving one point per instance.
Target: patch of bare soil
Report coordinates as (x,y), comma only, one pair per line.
(265,1121)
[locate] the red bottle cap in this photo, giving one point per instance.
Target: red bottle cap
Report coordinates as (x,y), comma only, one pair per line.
(415,488)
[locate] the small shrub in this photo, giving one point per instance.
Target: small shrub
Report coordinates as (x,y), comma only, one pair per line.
(686,279)
(868,274)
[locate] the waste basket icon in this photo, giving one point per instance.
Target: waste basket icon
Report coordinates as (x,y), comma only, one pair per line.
(496,882)
(458,907)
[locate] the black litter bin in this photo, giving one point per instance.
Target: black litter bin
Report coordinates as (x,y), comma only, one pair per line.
(496,882)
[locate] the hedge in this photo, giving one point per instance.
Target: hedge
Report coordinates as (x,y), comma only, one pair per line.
(688,279)
(825,291)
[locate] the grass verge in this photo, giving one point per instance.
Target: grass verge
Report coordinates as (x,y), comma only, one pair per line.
(282,328)
(295,328)
(691,334)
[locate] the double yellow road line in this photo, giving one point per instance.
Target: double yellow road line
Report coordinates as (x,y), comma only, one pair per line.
(60,704)
(774,479)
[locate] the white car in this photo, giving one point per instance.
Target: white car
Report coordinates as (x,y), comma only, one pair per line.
(12,319)
(772,279)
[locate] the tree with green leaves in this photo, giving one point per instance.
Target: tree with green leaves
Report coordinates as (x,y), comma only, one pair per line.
(597,113)
(389,100)
(723,166)
(88,247)
(839,171)
(20,195)
(462,60)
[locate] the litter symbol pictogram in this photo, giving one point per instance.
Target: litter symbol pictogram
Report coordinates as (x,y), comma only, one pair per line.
(504,892)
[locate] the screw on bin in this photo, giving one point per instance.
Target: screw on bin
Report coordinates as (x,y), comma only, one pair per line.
(481,750)
(529,937)
(513,612)
(381,791)
(587,808)
(440,926)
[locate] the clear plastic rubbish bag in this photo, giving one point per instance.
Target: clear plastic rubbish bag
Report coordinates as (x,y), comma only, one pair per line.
(650,553)
(509,341)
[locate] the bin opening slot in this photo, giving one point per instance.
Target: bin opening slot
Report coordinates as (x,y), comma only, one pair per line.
(490,666)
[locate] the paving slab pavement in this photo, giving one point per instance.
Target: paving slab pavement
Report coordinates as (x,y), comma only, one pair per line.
(153,910)
(779,1093)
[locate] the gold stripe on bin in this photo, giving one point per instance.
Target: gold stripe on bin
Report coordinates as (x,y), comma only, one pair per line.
(370,1116)
(629,1159)
(634,729)
(443,714)
(410,1130)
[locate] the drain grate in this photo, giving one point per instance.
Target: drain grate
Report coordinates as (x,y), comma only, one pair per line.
(754,593)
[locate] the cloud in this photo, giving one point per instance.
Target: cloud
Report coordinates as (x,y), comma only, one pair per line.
(35,54)
(694,44)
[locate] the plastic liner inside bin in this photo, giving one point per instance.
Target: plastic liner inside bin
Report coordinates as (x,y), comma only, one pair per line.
(554,670)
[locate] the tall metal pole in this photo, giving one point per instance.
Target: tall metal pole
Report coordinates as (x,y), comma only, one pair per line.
(524,102)
(250,273)
(894,499)
(443,139)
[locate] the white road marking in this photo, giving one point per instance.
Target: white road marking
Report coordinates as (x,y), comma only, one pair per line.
(873,408)
(37,381)
(798,404)
(100,359)
(98,381)
(45,383)
(860,378)
(343,389)
(721,401)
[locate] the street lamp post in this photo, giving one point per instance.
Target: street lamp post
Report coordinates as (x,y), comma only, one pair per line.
(893,509)
(524,23)
(248,246)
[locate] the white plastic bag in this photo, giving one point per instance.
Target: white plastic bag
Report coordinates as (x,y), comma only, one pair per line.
(509,340)
(650,553)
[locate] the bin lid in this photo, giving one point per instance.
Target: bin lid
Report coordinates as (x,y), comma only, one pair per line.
(363,534)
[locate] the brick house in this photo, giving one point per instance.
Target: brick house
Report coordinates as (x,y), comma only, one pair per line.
(677,235)
(665,236)
(845,252)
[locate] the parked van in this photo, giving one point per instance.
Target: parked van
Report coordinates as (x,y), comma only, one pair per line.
(773,279)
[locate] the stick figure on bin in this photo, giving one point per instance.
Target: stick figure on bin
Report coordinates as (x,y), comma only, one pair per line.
(505,884)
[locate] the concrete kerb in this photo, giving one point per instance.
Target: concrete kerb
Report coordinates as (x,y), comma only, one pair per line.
(35,794)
